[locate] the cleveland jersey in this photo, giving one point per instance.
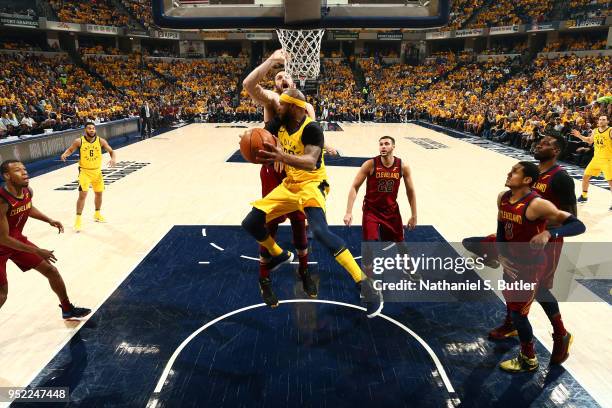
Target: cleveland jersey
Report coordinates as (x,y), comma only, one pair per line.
(293,144)
(382,187)
(18,212)
(90,154)
(603,144)
(517,228)
(544,185)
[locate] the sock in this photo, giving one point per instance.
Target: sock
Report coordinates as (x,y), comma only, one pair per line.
(347,261)
(271,246)
(303,262)
(264,272)
(557,324)
(528,349)
(78,217)
(97,212)
(584,194)
(66,306)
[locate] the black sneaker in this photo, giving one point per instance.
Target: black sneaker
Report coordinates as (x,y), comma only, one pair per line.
(372,298)
(75,312)
(582,200)
(309,285)
(277,261)
(267,294)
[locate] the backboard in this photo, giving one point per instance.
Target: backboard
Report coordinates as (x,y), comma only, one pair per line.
(267,14)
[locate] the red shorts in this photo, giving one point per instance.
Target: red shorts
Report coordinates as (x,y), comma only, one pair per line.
(387,228)
(24,260)
(553,253)
(527,282)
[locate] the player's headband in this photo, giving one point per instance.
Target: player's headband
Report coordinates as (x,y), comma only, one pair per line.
(290,99)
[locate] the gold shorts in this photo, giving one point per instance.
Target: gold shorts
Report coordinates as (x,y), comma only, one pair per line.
(91,178)
(597,166)
(288,197)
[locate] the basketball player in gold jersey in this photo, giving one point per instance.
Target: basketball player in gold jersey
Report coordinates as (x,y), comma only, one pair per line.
(602,157)
(304,189)
(272,174)
(90,169)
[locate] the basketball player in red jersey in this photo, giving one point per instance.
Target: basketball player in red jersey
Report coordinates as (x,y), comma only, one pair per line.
(382,220)
(522,218)
(15,208)
(557,186)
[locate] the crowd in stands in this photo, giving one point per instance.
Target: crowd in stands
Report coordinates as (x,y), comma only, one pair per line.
(128,74)
(20,45)
(338,93)
(510,12)
(461,11)
(100,12)
(581,9)
(575,44)
(501,99)
(141,10)
(548,94)
(100,50)
(205,87)
(39,93)
(516,48)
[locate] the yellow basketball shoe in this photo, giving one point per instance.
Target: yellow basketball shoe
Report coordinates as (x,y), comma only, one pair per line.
(98,217)
(77,224)
(520,364)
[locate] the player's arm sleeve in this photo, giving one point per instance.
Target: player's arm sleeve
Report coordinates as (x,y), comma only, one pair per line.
(563,185)
(313,135)
(273,126)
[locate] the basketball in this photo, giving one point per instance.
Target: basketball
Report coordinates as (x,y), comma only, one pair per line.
(251,144)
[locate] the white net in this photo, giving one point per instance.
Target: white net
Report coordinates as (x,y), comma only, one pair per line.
(302,49)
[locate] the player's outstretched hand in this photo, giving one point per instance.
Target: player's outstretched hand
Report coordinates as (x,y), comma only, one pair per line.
(58,225)
(348,219)
(412,223)
(278,57)
(539,241)
(576,133)
(46,255)
(271,154)
(111,163)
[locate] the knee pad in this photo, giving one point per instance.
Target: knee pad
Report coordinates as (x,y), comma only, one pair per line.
(255,224)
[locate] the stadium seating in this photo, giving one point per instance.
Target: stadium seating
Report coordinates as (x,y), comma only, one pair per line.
(509,12)
(100,12)
(54,92)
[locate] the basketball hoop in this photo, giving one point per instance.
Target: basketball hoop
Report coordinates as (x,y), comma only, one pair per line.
(303,50)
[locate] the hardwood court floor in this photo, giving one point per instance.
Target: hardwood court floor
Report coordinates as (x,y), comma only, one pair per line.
(189,182)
